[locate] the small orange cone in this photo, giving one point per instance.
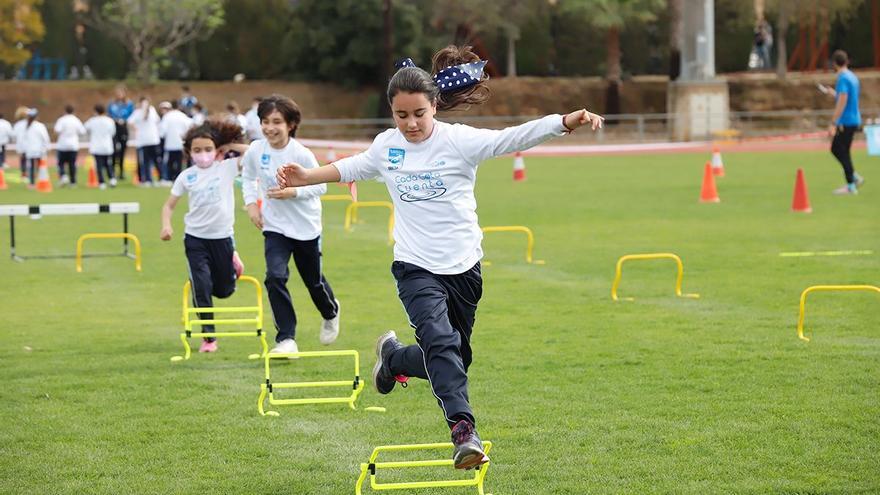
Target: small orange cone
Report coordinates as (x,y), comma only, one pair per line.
(260,204)
(93,178)
(331,155)
(717,164)
(43,182)
(709,194)
(3,185)
(519,167)
(801,201)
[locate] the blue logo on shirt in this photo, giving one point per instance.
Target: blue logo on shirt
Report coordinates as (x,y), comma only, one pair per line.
(191,177)
(396,156)
(264,159)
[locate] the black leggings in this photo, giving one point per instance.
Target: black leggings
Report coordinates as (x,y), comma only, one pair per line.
(840,147)
(102,164)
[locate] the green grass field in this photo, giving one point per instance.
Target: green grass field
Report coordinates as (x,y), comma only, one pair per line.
(579,394)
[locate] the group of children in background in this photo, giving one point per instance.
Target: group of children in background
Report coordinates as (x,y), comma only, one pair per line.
(158,138)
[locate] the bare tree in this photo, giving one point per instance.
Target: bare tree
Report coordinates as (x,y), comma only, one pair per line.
(151,29)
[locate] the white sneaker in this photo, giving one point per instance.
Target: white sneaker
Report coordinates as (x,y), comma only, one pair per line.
(112,182)
(284,347)
(64,180)
(102,186)
(330,328)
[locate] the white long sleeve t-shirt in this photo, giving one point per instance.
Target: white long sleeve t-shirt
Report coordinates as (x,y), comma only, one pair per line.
(298,217)
(6,134)
(68,128)
(431,184)
(146,130)
(101,131)
(36,140)
(211,193)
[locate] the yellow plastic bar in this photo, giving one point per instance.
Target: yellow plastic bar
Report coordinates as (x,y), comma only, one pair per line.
(119,235)
(650,256)
(267,388)
(336,197)
(257,320)
(816,288)
(530,239)
(352,209)
(373,466)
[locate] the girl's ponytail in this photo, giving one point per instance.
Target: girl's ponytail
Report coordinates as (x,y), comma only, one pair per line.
(471,95)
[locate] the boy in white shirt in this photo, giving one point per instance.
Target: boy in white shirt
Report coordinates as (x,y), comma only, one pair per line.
(68,128)
(172,128)
(102,129)
(18,131)
(145,120)
(430,168)
(36,143)
(214,264)
(6,136)
(290,221)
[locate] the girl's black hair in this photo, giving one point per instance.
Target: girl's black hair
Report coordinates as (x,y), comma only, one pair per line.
(416,80)
(288,109)
(221,132)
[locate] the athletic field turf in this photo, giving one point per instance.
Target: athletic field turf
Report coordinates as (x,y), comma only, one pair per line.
(579,394)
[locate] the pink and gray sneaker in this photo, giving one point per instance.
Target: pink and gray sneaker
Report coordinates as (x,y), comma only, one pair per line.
(208,346)
(237,264)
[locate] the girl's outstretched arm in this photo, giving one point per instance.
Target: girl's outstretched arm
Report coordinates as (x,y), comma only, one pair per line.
(294,175)
(167,210)
(582,117)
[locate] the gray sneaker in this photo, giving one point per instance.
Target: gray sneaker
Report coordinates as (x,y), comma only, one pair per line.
(383,379)
(468,452)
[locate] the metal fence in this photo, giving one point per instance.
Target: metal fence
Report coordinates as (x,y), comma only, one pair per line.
(621,128)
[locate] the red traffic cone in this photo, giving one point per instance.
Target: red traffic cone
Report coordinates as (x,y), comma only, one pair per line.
(519,167)
(93,178)
(3,185)
(43,182)
(801,201)
(717,164)
(709,194)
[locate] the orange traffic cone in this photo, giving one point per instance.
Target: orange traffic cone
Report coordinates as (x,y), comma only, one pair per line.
(519,167)
(331,155)
(93,178)
(801,201)
(3,185)
(43,182)
(717,164)
(709,194)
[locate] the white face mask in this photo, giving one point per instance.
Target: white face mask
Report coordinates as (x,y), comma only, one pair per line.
(203,159)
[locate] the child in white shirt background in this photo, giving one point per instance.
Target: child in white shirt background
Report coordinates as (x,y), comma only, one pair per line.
(102,129)
(68,128)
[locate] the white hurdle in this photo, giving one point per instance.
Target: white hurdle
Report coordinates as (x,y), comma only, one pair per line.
(13,211)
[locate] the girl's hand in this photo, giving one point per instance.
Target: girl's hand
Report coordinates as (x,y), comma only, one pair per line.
(291,175)
(166,233)
(279,193)
(255,215)
(582,117)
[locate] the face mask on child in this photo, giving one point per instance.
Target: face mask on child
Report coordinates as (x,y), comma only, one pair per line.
(204,159)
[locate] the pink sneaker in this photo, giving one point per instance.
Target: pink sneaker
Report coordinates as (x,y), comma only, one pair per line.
(237,265)
(208,346)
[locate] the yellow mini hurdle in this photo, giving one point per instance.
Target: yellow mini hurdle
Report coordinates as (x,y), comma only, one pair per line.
(372,466)
(120,235)
(651,256)
(255,319)
(351,212)
(530,239)
(816,288)
(336,197)
(268,388)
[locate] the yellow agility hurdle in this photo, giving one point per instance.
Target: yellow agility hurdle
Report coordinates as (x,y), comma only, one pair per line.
(191,317)
(126,236)
(352,209)
(651,256)
(816,288)
(372,466)
(336,197)
(268,388)
(530,239)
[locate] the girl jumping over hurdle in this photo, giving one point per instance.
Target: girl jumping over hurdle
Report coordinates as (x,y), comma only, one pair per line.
(430,168)
(214,265)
